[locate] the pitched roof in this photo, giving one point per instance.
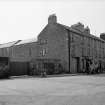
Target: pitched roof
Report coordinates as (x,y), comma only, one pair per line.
(26,41)
(9,44)
(80,33)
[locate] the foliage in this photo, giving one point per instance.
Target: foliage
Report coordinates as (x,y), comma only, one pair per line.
(4,71)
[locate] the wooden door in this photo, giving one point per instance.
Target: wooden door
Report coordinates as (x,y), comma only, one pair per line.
(19,68)
(74,65)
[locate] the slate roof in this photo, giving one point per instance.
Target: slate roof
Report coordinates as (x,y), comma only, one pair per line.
(80,33)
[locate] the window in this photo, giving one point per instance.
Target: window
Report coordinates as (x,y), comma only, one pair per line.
(42,41)
(44,51)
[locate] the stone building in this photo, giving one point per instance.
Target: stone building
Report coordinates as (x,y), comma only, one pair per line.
(58,49)
(70,46)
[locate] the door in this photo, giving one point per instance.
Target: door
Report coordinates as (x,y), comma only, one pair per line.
(75,65)
(19,68)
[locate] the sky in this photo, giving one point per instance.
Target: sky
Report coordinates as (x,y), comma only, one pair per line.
(25,19)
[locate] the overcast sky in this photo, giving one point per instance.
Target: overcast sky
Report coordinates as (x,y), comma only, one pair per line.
(25,19)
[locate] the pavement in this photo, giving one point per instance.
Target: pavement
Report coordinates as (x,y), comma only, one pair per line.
(64,90)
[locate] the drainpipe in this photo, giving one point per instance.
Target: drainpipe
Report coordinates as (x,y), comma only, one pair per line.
(69,45)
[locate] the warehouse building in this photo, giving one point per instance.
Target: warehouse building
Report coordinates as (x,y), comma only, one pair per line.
(58,49)
(71,46)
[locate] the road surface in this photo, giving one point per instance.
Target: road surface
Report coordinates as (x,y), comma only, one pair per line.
(68,90)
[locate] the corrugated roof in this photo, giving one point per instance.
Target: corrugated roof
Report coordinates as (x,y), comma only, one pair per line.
(9,44)
(26,41)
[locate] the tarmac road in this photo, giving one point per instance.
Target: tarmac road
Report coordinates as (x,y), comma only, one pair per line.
(68,90)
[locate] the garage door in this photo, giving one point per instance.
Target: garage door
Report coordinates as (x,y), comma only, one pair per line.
(19,68)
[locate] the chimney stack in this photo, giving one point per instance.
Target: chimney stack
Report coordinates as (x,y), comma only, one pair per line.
(102,36)
(87,30)
(52,19)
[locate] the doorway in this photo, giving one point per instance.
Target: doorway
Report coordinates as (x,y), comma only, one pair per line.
(75,65)
(49,68)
